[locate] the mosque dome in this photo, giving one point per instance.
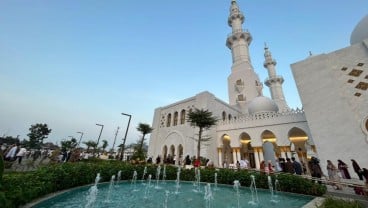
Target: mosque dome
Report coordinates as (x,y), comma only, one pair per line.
(262,104)
(360,31)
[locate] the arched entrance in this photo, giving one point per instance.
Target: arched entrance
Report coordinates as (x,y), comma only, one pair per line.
(246,149)
(299,146)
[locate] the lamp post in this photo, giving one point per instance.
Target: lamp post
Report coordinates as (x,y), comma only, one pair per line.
(125,136)
(113,145)
(99,136)
(80,139)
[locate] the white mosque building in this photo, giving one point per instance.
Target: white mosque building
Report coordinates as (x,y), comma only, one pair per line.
(257,128)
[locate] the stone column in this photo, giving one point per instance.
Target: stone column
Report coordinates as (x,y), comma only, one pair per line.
(234,156)
(256,158)
(283,155)
(238,154)
(260,150)
(220,157)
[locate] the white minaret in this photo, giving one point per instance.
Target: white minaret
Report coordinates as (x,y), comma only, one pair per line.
(274,82)
(243,82)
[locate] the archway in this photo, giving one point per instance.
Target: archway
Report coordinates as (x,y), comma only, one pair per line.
(299,145)
(227,152)
(246,150)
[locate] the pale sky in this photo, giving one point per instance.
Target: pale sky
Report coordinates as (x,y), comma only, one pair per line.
(72,64)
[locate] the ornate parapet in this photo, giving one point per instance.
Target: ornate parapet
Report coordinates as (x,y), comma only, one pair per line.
(265,118)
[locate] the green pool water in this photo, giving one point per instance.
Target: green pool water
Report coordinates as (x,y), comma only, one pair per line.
(166,195)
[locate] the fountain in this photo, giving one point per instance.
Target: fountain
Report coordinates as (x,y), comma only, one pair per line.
(148,186)
(208,197)
(215,181)
(158,172)
(177,181)
(92,192)
(121,195)
(197,179)
(236,187)
(164,174)
(253,189)
(119,175)
(273,197)
(110,188)
(134,180)
(144,173)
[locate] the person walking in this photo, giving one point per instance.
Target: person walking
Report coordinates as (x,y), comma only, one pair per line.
(357,169)
(289,167)
(22,152)
(343,169)
(297,166)
(332,175)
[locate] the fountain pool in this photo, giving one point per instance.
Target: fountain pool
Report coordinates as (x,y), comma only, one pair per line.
(168,195)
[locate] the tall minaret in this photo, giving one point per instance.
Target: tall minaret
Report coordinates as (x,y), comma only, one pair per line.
(243,82)
(274,82)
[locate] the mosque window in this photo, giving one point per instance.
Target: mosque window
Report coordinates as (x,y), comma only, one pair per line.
(360,64)
(344,68)
(350,81)
(366,124)
(176,115)
(168,122)
(362,86)
(182,117)
(223,115)
(366,77)
(355,72)
(230,117)
(240,97)
(358,94)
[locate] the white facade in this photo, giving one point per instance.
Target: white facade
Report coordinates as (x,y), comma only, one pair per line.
(333,90)
(251,126)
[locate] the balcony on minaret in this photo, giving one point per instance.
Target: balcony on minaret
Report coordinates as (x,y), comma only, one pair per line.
(239,85)
(235,14)
(237,35)
(240,98)
(275,79)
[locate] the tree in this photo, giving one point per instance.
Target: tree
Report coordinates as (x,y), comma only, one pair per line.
(38,132)
(104,145)
(203,119)
(69,144)
(144,129)
(90,144)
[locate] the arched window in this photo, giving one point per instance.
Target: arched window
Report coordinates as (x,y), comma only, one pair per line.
(223,115)
(182,117)
(230,117)
(176,115)
(168,122)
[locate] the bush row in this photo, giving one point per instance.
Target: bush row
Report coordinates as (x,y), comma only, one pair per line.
(23,187)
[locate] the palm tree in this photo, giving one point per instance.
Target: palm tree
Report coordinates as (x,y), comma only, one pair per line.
(104,144)
(144,129)
(90,144)
(203,119)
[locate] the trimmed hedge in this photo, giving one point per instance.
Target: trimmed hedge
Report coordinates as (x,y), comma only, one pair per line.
(340,203)
(23,187)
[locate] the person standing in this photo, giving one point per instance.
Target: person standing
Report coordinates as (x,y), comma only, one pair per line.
(297,166)
(343,169)
(357,169)
(332,174)
(22,152)
(289,167)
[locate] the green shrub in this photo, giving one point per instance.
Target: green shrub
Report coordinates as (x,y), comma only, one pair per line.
(21,188)
(340,203)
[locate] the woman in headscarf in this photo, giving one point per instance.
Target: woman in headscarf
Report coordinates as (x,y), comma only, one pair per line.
(343,169)
(357,169)
(332,174)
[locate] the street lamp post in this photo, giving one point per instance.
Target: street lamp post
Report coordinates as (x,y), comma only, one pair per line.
(80,139)
(99,136)
(116,134)
(125,136)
